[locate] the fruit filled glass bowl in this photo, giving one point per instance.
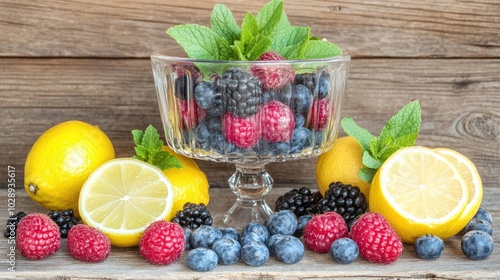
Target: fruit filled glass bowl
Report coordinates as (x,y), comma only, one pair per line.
(250,113)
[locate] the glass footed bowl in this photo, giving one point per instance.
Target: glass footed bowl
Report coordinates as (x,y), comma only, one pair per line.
(250,113)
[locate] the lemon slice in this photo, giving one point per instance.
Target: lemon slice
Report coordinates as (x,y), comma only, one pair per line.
(419,192)
(122,197)
(474,184)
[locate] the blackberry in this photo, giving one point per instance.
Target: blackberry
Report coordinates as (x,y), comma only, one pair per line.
(64,219)
(193,216)
(12,222)
(346,200)
(241,90)
(299,201)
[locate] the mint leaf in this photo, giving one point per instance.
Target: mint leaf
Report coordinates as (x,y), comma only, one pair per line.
(252,43)
(366,174)
(268,18)
(363,136)
(320,49)
(224,24)
(289,41)
(149,148)
(201,42)
(369,161)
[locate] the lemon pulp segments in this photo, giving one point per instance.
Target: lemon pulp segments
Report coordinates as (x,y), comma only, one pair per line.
(122,197)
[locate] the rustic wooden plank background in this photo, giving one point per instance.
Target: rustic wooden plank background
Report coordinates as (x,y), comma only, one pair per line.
(89,60)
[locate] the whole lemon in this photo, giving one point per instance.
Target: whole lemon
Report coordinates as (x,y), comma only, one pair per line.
(60,161)
(341,163)
(190,184)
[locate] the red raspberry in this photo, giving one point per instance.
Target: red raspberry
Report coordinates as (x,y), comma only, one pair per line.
(378,242)
(162,242)
(273,76)
(319,113)
(88,244)
(322,230)
(191,113)
(277,122)
(37,236)
(242,132)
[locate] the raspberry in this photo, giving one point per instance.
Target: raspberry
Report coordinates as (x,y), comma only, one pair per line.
(273,76)
(37,236)
(242,132)
(277,122)
(319,114)
(190,113)
(378,242)
(322,230)
(88,244)
(162,242)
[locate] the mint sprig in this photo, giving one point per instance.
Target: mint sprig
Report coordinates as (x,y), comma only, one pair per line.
(400,131)
(149,149)
(269,30)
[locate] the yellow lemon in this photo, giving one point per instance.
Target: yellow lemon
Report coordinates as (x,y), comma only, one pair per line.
(122,197)
(474,184)
(419,192)
(60,161)
(341,163)
(185,161)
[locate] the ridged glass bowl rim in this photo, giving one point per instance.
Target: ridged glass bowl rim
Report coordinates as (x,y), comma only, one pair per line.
(162,55)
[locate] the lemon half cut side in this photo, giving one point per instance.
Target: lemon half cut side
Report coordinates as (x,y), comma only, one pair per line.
(122,197)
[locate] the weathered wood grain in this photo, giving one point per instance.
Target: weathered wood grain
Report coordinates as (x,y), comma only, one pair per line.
(459,97)
(126,263)
(368,28)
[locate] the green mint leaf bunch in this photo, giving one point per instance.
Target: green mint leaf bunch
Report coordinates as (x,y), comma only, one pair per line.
(400,131)
(149,149)
(269,30)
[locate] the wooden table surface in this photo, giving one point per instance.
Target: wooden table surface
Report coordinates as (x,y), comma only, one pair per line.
(126,263)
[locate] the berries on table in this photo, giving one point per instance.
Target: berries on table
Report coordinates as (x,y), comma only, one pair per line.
(187,238)
(162,242)
(273,76)
(255,253)
(228,250)
(429,247)
(378,242)
(205,236)
(282,222)
(301,224)
(202,259)
(277,122)
(88,244)
(260,231)
(37,236)
(299,201)
(230,232)
(12,223)
(288,249)
(193,216)
(241,90)
(322,230)
(242,132)
(344,250)
(273,240)
(346,200)
(477,245)
(478,224)
(64,219)
(483,214)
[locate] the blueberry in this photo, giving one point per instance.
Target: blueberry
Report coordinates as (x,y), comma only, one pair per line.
(301,138)
(205,236)
(273,240)
(478,224)
(429,247)
(282,222)
(230,232)
(202,259)
(288,249)
(206,97)
(254,254)
(301,99)
(250,237)
(279,148)
(202,136)
(318,138)
(477,245)
(483,214)
(344,250)
(214,124)
(187,237)
(268,95)
(228,250)
(324,85)
(301,224)
(221,145)
(258,229)
(300,120)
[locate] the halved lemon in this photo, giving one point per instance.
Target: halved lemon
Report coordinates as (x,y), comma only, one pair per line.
(419,192)
(122,197)
(474,184)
